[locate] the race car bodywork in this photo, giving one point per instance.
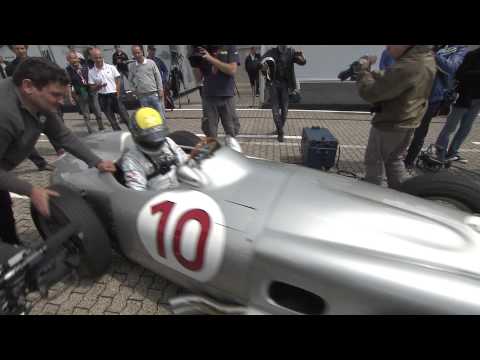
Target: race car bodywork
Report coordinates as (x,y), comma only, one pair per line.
(279,238)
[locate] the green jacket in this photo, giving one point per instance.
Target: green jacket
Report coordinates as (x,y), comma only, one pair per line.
(401,92)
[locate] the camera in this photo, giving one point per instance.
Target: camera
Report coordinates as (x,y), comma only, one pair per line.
(355,67)
(351,73)
(25,269)
(195,58)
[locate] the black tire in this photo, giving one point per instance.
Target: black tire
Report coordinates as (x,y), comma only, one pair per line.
(185,138)
(70,207)
(459,192)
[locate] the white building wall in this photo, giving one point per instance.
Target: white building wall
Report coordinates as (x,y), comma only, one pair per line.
(324,62)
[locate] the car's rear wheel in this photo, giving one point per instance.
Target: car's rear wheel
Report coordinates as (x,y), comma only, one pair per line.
(93,244)
(446,189)
(185,138)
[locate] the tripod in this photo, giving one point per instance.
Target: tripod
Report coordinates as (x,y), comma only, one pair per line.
(176,77)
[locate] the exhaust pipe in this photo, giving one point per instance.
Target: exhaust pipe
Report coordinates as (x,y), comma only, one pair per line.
(197,305)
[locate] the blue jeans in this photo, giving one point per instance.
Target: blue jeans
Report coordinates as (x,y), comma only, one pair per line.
(464,116)
(154,102)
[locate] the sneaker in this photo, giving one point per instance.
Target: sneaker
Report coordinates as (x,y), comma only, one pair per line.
(453,157)
(461,159)
(280,137)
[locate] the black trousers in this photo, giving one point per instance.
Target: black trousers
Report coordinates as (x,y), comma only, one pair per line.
(420,133)
(8,233)
(255,81)
(279,100)
(110,104)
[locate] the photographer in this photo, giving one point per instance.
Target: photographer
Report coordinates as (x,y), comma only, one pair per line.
(282,82)
(217,65)
(400,97)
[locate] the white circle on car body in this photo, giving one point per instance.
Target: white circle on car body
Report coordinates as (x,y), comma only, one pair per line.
(184,230)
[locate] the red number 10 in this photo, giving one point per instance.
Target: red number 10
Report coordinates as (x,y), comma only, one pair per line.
(200,216)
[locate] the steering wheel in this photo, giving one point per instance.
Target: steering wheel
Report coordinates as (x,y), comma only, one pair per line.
(209,145)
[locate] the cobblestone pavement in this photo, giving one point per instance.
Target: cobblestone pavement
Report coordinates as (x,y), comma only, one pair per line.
(130,289)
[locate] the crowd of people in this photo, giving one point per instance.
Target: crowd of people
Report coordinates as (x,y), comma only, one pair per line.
(416,83)
(412,86)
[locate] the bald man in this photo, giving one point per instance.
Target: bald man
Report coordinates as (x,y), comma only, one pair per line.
(78,77)
(105,79)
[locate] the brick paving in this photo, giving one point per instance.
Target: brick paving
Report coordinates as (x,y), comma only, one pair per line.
(128,288)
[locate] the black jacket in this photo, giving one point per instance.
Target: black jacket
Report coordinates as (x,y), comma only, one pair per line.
(284,68)
(121,66)
(76,80)
(12,66)
(251,66)
(468,77)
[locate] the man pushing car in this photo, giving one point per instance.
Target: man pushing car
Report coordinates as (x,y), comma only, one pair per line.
(28,106)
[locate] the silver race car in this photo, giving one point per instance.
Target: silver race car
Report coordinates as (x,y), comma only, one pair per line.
(248,236)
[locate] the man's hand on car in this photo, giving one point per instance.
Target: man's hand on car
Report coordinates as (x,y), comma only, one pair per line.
(106,166)
(40,197)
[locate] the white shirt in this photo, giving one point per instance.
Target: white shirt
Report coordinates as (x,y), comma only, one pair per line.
(107,74)
(144,61)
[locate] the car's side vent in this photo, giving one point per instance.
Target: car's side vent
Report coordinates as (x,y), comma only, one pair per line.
(296,299)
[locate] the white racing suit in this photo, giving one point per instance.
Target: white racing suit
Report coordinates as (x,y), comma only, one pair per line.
(144,172)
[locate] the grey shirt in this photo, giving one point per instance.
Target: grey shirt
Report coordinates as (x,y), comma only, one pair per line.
(145,78)
(19,132)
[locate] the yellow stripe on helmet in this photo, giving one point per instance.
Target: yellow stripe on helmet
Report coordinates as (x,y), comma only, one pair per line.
(147,118)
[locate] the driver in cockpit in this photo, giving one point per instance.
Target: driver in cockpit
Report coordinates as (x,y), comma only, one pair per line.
(152,164)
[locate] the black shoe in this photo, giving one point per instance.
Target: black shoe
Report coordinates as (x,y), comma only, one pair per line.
(409,166)
(46,167)
(456,157)
(280,137)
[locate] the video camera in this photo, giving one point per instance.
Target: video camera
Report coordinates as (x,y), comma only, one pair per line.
(355,67)
(351,73)
(195,58)
(34,268)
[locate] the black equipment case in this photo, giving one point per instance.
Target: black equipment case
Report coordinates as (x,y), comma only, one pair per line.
(319,148)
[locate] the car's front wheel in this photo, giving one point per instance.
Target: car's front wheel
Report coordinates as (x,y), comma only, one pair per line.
(92,243)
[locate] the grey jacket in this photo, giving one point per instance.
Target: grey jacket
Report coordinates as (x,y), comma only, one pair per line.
(145,78)
(19,132)
(137,168)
